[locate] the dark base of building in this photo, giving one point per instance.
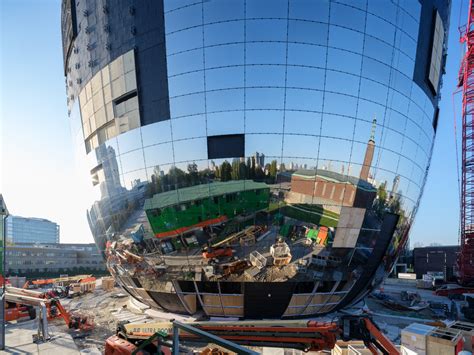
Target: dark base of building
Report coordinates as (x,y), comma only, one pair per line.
(246,300)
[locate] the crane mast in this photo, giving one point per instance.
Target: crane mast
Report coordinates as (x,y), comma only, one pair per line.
(466,82)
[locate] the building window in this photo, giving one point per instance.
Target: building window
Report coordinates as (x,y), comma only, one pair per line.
(436,53)
(109,102)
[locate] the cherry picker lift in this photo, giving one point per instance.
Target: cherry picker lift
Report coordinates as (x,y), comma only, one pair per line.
(151,338)
(50,308)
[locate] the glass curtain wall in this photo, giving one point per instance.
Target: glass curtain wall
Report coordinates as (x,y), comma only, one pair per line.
(298,144)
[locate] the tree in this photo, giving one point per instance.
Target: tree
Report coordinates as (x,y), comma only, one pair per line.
(381,201)
(226,171)
(235,170)
(177,177)
(243,174)
(193,177)
(273,170)
(252,168)
(382,191)
(192,168)
(282,167)
(395,204)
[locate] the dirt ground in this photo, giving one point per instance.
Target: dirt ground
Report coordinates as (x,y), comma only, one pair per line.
(100,307)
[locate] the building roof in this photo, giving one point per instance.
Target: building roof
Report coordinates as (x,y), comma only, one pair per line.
(335,177)
(200,192)
(31,219)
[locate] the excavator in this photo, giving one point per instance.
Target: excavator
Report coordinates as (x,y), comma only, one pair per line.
(151,338)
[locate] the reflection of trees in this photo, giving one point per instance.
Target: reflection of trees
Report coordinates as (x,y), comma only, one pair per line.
(237,170)
(177,178)
(384,204)
(380,203)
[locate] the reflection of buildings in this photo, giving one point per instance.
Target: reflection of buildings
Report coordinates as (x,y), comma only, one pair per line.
(158,172)
(31,230)
(369,154)
(178,211)
(326,187)
(259,159)
(108,214)
(396,182)
(330,188)
(106,173)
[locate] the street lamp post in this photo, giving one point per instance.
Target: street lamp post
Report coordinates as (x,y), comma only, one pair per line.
(3,217)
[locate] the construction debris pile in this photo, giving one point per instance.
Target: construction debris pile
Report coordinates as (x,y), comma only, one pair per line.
(254,253)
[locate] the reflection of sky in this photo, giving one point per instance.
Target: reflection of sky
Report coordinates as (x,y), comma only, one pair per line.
(245,90)
(44,141)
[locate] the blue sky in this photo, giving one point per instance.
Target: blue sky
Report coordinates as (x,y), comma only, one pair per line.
(38,168)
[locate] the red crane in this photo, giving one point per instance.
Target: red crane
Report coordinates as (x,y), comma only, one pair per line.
(466,82)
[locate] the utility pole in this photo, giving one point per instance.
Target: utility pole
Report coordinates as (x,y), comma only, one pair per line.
(3,217)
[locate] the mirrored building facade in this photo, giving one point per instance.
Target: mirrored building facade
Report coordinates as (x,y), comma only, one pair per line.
(253,159)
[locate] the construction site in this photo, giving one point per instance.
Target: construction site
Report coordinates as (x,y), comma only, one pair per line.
(98,317)
(252,172)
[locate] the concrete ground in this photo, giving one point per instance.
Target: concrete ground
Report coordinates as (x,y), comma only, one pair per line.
(19,340)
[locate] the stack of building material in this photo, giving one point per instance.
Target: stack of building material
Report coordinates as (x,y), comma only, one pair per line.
(467,332)
(414,337)
(406,351)
(443,341)
(342,347)
(353,349)
(108,283)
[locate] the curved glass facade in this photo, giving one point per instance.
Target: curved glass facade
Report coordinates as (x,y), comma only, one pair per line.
(235,151)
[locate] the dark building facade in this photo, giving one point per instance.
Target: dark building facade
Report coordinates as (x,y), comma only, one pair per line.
(167,95)
(438,259)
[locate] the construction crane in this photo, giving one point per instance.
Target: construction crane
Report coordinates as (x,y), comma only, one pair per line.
(466,82)
(145,338)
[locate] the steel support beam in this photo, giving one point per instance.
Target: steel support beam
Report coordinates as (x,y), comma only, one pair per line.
(207,336)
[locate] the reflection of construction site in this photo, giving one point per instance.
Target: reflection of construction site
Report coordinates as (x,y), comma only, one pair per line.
(212,267)
(218,246)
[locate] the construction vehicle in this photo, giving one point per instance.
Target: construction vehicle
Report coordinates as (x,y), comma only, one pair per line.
(465,262)
(449,290)
(62,281)
(51,307)
(15,312)
(298,334)
(215,253)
